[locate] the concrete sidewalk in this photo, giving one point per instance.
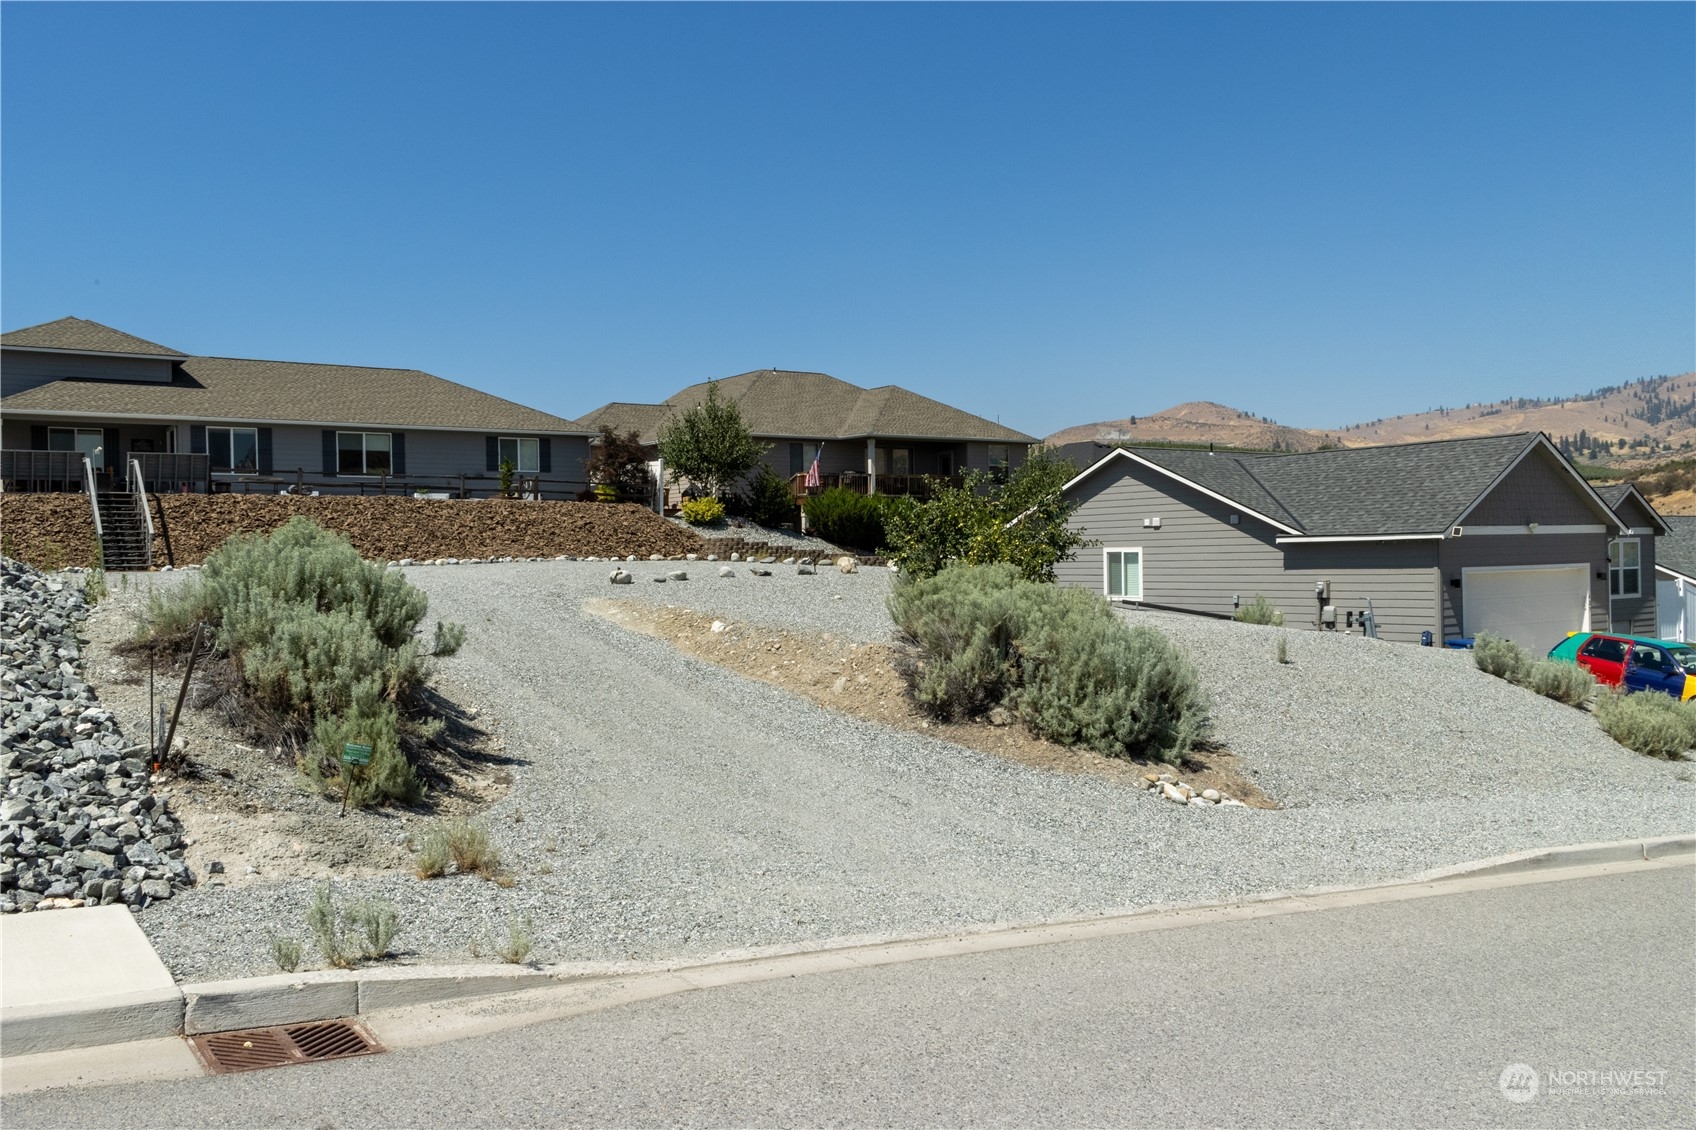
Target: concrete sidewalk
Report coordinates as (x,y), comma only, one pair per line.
(76,978)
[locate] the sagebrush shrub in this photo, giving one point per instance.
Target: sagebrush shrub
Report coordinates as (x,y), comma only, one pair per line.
(847,518)
(1067,665)
(1648,722)
(1091,680)
(1563,682)
(1259,611)
(320,639)
(702,511)
(1501,658)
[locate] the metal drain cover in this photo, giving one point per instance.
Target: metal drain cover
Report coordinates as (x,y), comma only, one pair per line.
(284,1045)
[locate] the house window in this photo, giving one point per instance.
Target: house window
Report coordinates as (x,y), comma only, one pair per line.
(1124,574)
(1625,567)
(525,455)
(90,441)
(363,453)
(900,461)
(233,449)
(797,459)
(997,457)
(945,464)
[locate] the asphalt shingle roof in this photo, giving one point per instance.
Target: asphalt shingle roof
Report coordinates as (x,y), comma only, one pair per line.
(1677,549)
(235,389)
(777,402)
(1410,488)
(83,336)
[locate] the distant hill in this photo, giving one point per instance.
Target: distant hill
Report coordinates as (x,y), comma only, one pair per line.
(1199,422)
(1629,426)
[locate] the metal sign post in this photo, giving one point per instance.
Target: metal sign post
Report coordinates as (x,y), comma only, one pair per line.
(353,756)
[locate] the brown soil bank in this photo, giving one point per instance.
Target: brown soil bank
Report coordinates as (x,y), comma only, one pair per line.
(52,531)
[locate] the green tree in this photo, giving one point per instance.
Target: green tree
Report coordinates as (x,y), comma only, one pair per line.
(709,445)
(1023,521)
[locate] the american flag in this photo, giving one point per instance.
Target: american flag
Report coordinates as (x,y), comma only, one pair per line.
(813,478)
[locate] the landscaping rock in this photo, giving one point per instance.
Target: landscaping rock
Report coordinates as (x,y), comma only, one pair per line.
(760,572)
(805,569)
(74,803)
(620,577)
(847,564)
(678,574)
(726,571)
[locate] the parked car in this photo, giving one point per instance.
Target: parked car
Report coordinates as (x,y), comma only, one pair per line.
(1637,663)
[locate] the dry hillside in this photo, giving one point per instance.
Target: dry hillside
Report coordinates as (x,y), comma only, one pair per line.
(1634,425)
(1199,421)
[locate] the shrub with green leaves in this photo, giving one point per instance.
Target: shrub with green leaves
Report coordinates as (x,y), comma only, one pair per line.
(1563,682)
(1260,611)
(1648,722)
(768,500)
(1023,519)
(702,511)
(321,640)
(847,518)
(1501,658)
(1061,659)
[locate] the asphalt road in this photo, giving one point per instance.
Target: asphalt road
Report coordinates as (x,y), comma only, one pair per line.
(1395,1014)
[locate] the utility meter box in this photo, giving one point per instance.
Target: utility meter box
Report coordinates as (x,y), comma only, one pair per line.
(1328,616)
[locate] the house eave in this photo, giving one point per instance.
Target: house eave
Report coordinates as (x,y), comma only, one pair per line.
(171,357)
(173,418)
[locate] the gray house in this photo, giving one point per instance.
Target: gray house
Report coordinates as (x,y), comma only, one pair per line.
(74,389)
(1675,579)
(885,440)
(1495,534)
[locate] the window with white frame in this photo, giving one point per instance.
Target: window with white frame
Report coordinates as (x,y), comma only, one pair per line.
(90,441)
(364,453)
(1625,567)
(233,449)
(1123,574)
(525,455)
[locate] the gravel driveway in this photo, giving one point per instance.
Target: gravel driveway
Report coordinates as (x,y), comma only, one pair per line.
(689,811)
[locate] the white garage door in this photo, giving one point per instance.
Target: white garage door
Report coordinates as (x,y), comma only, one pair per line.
(1534,607)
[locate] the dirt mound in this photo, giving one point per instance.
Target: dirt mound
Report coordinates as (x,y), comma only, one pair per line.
(51,531)
(861,679)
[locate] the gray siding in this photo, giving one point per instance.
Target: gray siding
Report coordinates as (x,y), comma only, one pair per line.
(22,370)
(430,455)
(1198,561)
(1538,490)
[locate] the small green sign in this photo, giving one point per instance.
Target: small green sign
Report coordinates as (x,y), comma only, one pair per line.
(353,754)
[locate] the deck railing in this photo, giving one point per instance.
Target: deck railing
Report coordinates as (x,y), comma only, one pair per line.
(914,486)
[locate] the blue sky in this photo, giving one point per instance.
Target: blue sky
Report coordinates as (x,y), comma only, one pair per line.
(1048,214)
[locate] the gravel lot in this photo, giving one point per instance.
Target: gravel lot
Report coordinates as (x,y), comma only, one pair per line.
(666,809)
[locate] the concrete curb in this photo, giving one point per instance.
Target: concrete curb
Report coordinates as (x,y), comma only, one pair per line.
(1576,855)
(295,998)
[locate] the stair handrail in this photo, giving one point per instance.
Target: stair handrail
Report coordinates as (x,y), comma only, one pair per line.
(93,501)
(139,487)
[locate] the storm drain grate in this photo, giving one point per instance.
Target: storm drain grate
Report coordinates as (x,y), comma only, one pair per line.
(284,1045)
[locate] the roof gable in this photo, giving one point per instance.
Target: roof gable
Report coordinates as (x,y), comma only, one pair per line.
(79,335)
(1634,510)
(1401,490)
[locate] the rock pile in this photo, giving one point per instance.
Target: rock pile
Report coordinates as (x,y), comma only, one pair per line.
(1169,787)
(79,823)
